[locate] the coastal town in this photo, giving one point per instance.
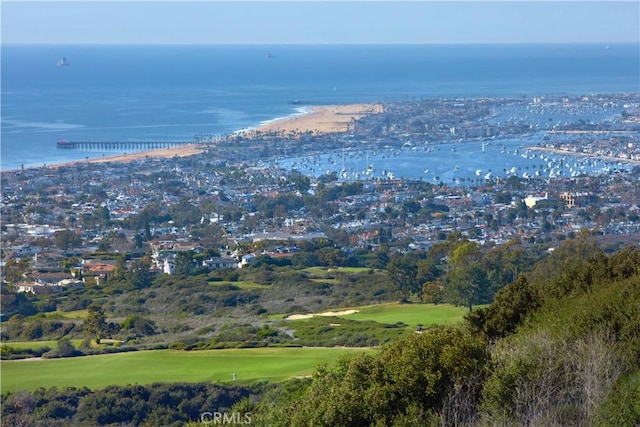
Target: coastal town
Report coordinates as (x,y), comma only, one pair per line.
(232,197)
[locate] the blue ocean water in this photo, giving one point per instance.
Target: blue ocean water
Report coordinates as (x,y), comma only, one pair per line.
(171,93)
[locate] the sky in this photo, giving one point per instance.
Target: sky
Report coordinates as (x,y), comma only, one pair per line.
(318,22)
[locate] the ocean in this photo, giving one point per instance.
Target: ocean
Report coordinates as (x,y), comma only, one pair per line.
(174,93)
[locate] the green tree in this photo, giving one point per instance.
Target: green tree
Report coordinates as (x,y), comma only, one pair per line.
(66,239)
(66,348)
(13,270)
(95,324)
(432,292)
(404,274)
(467,286)
(421,379)
(183,263)
(139,325)
(509,309)
(138,241)
(120,270)
(466,282)
(140,274)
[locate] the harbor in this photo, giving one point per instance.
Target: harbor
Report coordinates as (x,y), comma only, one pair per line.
(470,163)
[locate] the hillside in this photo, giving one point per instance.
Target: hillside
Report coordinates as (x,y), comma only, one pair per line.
(559,346)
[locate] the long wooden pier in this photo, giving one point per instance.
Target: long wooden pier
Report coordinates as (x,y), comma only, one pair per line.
(118,145)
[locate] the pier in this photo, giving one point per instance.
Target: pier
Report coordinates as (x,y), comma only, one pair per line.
(118,145)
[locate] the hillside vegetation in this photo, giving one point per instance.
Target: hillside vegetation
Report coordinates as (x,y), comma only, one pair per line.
(558,346)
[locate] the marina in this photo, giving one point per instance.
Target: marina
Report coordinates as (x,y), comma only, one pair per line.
(469,163)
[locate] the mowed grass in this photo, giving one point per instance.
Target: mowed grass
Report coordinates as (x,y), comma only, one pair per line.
(76,314)
(22,345)
(324,271)
(241,284)
(411,314)
(145,367)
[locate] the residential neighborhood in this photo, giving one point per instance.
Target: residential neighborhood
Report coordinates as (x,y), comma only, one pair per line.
(220,206)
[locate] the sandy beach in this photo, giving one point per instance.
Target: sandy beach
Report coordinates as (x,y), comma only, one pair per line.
(318,120)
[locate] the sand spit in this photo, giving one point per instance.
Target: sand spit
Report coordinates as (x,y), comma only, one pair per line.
(317,119)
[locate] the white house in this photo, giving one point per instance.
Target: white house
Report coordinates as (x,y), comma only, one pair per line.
(246,259)
(220,262)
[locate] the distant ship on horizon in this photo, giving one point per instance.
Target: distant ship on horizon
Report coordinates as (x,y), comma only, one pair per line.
(62,62)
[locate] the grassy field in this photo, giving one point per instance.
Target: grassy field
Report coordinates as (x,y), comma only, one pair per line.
(35,344)
(411,314)
(77,314)
(324,271)
(145,367)
(271,364)
(241,284)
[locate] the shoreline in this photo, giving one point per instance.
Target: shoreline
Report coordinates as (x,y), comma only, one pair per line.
(319,120)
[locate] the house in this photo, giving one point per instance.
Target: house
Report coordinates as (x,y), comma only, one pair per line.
(531,201)
(37,288)
(101,270)
(20,251)
(572,200)
(220,262)
(246,259)
(50,278)
(29,287)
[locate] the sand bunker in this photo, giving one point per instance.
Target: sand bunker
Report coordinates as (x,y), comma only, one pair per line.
(326,313)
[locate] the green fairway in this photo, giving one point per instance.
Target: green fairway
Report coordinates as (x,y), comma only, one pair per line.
(324,271)
(411,314)
(145,367)
(19,345)
(241,284)
(76,314)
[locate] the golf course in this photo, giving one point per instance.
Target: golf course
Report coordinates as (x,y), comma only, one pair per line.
(145,367)
(218,366)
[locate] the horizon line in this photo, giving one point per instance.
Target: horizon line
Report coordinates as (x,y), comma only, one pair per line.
(605,43)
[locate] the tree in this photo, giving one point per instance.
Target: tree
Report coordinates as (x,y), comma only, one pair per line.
(464,254)
(138,241)
(66,348)
(467,285)
(432,292)
(183,263)
(510,307)
(13,270)
(404,274)
(95,325)
(140,273)
(139,325)
(65,239)
(120,271)
(466,282)
(412,381)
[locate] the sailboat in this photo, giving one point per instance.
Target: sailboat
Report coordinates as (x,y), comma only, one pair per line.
(62,62)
